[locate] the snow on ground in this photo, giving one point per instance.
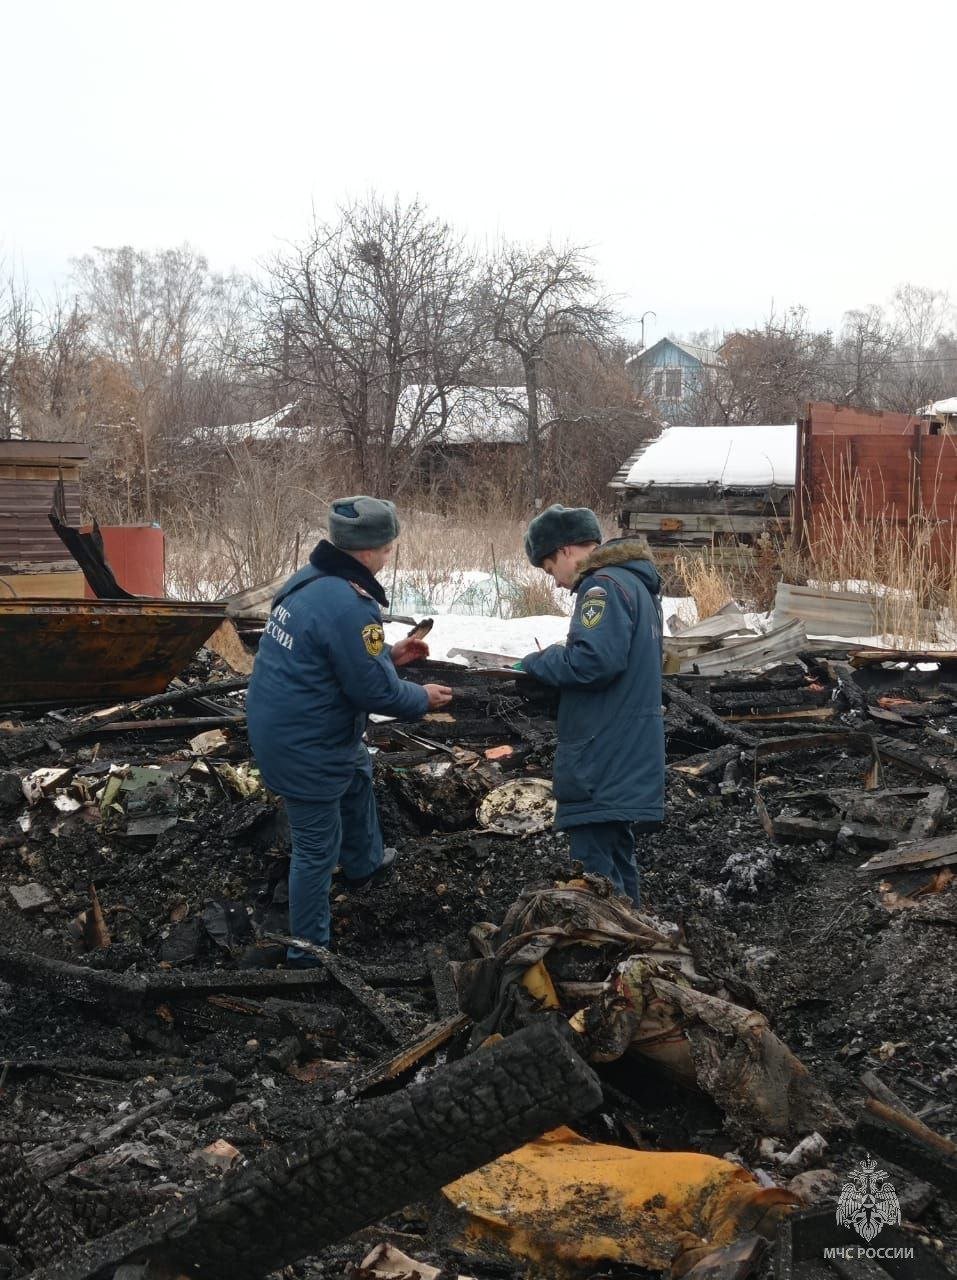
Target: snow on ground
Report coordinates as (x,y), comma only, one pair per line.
(510,637)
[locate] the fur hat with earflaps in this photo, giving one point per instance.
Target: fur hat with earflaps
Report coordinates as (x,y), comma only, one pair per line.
(361,523)
(559,526)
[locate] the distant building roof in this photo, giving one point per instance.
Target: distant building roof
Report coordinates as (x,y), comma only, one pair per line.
(475,415)
(704,355)
(740,457)
(939,409)
(269,428)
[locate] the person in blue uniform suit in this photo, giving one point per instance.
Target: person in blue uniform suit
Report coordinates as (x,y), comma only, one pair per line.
(609,772)
(322,667)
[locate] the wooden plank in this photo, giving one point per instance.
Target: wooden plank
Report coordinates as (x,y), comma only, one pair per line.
(349,976)
(687,522)
(446,996)
(938,852)
(30,451)
(50,586)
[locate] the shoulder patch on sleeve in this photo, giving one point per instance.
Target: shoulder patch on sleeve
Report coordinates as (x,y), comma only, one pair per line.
(373,637)
(592,610)
(594,593)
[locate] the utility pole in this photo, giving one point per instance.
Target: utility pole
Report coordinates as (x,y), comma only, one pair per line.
(646,313)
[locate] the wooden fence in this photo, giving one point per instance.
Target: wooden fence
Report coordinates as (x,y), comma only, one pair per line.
(885,468)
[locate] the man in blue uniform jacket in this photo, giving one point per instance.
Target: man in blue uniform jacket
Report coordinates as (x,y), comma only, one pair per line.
(610,762)
(322,667)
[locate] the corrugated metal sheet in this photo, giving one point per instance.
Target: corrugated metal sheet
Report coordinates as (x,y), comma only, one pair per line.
(849,614)
(26,535)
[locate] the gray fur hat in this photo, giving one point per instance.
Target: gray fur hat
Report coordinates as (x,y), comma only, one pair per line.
(361,523)
(559,526)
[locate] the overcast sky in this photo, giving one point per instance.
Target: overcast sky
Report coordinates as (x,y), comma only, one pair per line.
(717,158)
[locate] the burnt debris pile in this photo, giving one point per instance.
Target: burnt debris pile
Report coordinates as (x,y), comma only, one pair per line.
(501,1068)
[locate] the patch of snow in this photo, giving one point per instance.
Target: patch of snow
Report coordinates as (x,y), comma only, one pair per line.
(511,637)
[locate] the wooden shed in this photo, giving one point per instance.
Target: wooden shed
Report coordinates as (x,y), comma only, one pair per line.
(33,560)
(696,486)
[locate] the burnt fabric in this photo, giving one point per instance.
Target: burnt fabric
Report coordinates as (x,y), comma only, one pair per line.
(322,667)
(559,526)
(610,761)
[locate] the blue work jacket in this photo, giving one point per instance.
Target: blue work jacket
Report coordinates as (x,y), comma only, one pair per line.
(322,666)
(610,760)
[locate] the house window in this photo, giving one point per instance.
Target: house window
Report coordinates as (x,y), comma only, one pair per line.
(673,384)
(659,384)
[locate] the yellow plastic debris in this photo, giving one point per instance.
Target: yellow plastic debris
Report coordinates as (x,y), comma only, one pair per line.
(537,982)
(569,1205)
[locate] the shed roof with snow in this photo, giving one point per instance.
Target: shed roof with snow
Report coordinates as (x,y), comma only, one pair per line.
(740,457)
(939,409)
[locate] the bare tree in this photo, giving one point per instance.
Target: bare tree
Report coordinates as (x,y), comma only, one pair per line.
(862,361)
(924,320)
(764,374)
(370,324)
(17,337)
(597,419)
(149,315)
(535,300)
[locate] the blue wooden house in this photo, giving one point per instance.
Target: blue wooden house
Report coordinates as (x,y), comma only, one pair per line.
(669,373)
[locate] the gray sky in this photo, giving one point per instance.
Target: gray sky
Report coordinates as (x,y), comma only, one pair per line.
(717,158)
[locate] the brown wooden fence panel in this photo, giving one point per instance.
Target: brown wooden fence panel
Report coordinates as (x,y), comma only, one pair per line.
(938,494)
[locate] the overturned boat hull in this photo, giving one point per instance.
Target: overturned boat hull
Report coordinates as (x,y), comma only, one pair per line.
(69,651)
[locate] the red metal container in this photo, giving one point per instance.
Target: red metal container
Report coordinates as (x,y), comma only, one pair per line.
(137,555)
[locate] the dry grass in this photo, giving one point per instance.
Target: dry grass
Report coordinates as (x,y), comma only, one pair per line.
(436,552)
(435,556)
(857,543)
(708,582)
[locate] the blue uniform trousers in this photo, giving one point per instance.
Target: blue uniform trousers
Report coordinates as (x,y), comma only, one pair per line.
(327,833)
(608,849)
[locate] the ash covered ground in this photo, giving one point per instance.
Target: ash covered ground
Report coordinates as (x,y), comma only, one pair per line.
(793,928)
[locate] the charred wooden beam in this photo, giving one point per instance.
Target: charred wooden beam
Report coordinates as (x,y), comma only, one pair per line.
(135,991)
(348,975)
(20,746)
(357,1166)
(696,710)
(446,996)
(930,810)
(910,1144)
(31,1219)
(708,763)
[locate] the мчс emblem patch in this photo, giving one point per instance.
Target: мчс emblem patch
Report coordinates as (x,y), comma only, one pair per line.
(592,612)
(373,637)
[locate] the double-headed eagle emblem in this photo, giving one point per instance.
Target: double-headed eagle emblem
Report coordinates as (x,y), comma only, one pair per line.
(868,1202)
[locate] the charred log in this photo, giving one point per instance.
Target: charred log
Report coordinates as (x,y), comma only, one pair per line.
(359,1165)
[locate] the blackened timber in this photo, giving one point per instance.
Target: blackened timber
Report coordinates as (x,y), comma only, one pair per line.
(446,996)
(707,763)
(882,1129)
(929,813)
(358,1165)
(135,991)
(349,976)
(918,760)
(18,747)
(698,711)
(31,1219)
